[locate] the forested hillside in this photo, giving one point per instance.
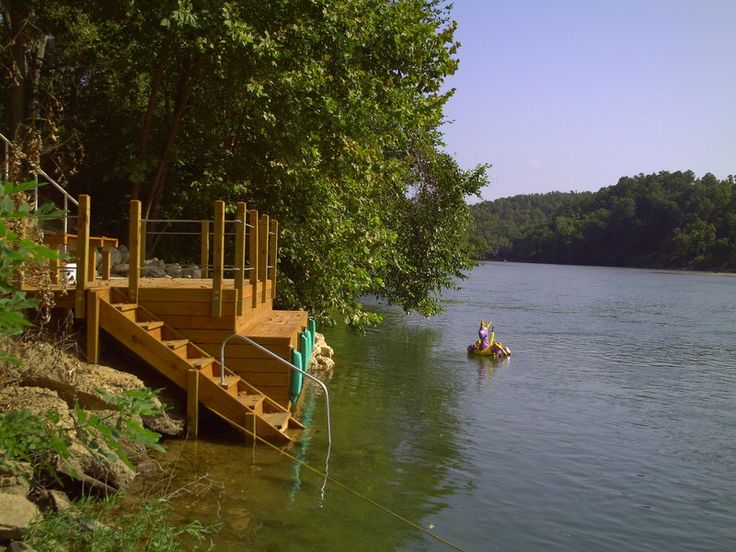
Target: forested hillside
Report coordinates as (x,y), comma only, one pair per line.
(325,115)
(671,220)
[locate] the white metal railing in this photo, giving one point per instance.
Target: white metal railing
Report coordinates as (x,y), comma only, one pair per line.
(286,363)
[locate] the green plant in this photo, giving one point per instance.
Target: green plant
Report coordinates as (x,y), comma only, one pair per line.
(113,429)
(113,526)
(26,437)
(15,251)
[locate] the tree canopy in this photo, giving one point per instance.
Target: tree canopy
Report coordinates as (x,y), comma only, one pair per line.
(668,219)
(323,114)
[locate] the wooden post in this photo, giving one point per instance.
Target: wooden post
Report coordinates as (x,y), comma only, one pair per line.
(263,254)
(253,255)
(106,264)
(218,258)
(93,327)
(92,261)
(82,254)
(134,245)
(204,256)
(273,257)
(142,241)
(192,403)
(240,213)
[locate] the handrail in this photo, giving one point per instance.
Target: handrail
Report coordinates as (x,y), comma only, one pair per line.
(282,361)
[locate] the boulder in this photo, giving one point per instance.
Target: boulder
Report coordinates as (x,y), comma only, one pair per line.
(191,271)
(16,515)
(17,479)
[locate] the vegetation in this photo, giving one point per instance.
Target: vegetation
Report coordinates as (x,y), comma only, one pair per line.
(671,220)
(325,115)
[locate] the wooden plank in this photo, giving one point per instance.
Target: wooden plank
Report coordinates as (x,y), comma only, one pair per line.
(83,214)
(225,322)
(92,261)
(162,308)
(204,254)
(240,350)
(134,251)
(192,403)
(218,258)
(273,257)
(106,264)
(240,214)
(93,327)
(253,255)
(263,253)
(182,294)
(257,366)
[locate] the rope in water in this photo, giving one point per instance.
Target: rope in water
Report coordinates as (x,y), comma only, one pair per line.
(386,509)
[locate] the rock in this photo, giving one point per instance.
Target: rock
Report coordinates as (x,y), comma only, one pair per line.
(58,500)
(173,270)
(17,479)
(16,546)
(191,271)
(16,515)
(153,268)
(116,257)
(164,424)
(120,269)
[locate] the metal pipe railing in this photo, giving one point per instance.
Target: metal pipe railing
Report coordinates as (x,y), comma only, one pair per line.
(286,363)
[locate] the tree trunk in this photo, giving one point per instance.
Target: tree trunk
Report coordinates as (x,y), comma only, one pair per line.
(186,84)
(147,122)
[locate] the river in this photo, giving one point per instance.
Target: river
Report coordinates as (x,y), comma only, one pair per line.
(612,427)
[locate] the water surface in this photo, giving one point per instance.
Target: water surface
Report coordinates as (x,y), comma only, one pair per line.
(612,427)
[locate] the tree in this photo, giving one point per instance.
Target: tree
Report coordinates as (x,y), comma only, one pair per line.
(323,114)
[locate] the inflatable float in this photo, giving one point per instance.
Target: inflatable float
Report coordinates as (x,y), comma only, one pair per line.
(486,344)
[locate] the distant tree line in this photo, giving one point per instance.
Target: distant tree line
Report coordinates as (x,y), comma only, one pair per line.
(666,220)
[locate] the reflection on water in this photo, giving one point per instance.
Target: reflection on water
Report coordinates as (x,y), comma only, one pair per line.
(611,428)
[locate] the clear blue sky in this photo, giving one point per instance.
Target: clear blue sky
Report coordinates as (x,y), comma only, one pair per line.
(573,94)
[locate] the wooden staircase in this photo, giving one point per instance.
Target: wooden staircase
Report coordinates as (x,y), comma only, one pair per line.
(176,358)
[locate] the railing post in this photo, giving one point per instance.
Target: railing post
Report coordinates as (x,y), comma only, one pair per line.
(263,254)
(106,264)
(93,327)
(273,257)
(204,255)
(192,403)
(218,258)
(82,255)
(134,244)
(240,212)
(253,255)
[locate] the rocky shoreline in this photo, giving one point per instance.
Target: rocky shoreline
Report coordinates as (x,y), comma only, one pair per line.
(50,379)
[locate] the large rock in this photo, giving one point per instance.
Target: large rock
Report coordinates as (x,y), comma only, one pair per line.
(17,479)
(16,515)
(77,382)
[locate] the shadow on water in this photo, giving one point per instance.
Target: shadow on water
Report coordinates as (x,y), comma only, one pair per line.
(393,426)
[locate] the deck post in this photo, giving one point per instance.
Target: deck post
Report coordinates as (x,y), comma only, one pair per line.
(134,244)
(204,255)
(106,264)
(82,254)
(92,260)
(263,254)
(273,257)
(192,403)
(143,238)
(93,327)
(253,255)
(218,258)
(240,213)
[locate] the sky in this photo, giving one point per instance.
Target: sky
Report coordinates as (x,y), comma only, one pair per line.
(571,95)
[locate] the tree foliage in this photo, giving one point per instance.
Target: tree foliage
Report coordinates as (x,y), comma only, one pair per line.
(323,114)
(672,220)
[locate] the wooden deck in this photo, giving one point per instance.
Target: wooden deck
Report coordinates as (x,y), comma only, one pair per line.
(201,313)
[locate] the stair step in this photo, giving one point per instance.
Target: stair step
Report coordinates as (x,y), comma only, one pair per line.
(178,346)
(151,325)
(250,400)
(200,363)
(279,420)
(125,307)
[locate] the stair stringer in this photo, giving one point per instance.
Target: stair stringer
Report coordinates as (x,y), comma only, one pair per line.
(175,368)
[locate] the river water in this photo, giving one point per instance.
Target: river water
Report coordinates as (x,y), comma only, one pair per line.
(612,427)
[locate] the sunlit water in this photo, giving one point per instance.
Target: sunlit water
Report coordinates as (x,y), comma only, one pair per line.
(612,427)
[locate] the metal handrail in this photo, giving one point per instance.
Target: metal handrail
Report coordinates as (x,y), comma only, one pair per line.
(282,361)
(36,171)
